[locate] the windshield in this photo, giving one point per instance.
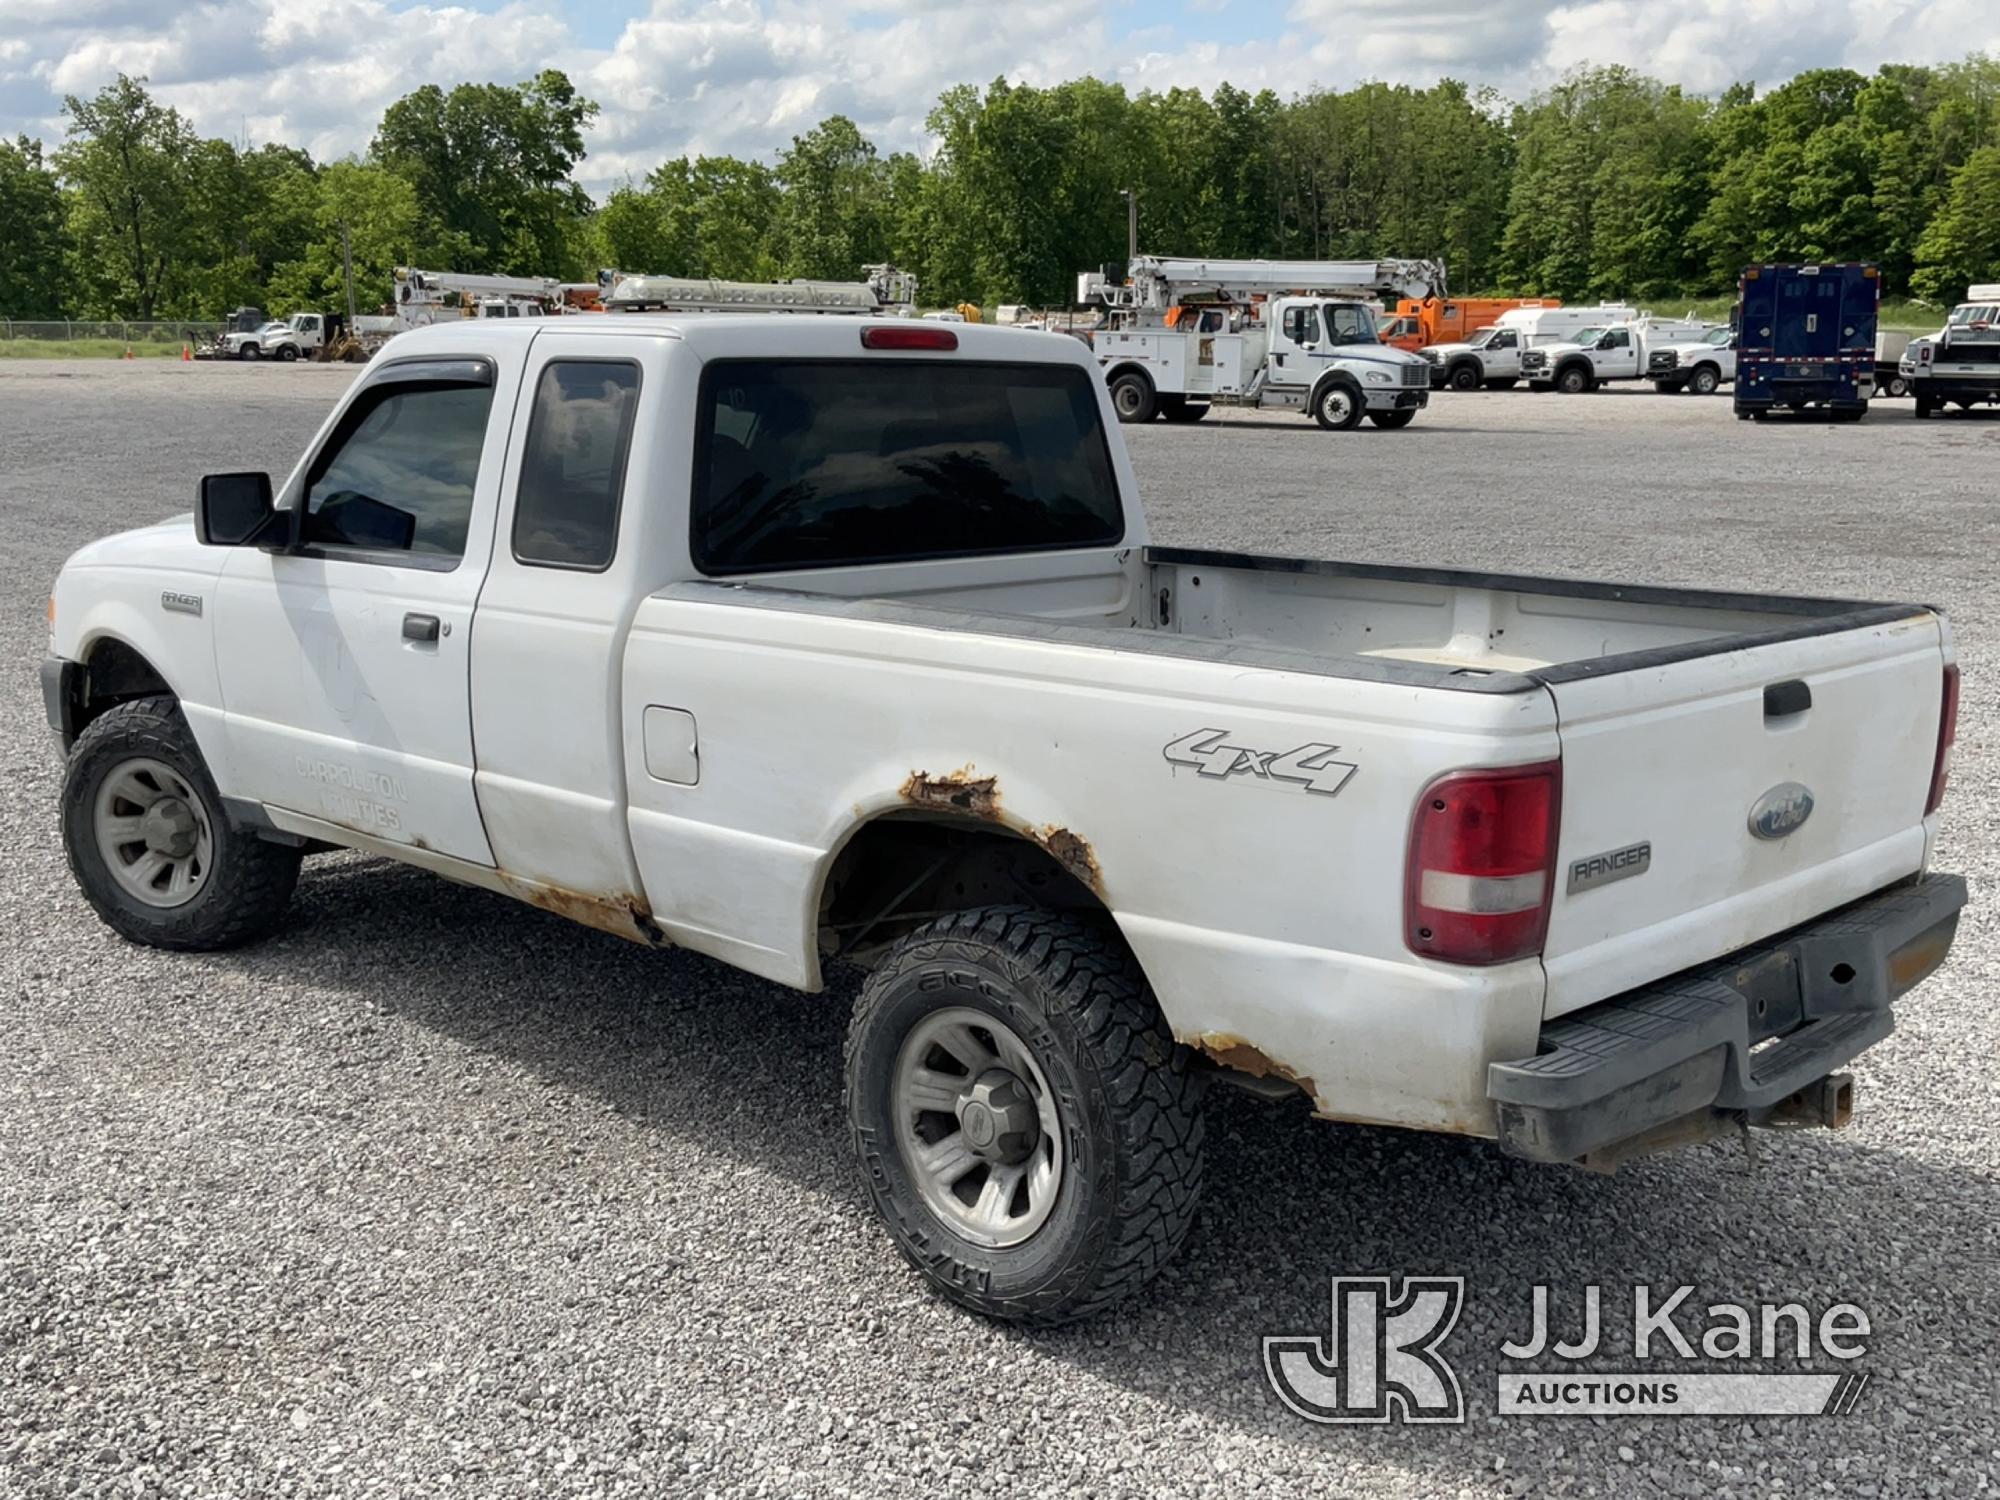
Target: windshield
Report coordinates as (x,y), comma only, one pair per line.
(1972,312)
(1350,323)
(275,327)
(1719,336)
(1586,336)
(1482,338)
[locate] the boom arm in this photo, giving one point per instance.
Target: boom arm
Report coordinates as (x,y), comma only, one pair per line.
(1156,283)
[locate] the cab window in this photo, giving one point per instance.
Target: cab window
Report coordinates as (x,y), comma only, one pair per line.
(573,473)
(1302,324)
(398,474)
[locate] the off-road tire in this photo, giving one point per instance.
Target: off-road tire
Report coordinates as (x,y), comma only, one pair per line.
(1392,420)
(1129,1105)
(249,883)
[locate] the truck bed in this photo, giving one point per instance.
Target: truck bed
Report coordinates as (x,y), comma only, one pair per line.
(1447,628)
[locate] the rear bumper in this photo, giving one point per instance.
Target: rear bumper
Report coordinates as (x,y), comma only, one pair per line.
(1731,1040)
(1959,387)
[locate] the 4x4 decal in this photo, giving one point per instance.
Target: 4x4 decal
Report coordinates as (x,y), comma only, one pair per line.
(1211,754)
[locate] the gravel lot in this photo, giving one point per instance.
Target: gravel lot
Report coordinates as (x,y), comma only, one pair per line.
(439,1194)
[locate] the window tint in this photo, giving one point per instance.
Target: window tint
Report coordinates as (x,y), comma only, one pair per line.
(1503,341)
(398,475)
(820,464)
(1350,325)
(573,473)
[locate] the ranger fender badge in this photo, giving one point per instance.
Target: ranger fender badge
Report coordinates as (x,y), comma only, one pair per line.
(1211,754)
(181,604)
(1781,811)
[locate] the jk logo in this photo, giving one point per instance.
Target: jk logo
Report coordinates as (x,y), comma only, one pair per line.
(1379,1361)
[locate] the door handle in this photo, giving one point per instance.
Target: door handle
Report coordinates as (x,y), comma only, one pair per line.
(420,627)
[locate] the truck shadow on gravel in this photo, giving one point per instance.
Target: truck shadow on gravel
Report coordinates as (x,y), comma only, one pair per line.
(676,1043)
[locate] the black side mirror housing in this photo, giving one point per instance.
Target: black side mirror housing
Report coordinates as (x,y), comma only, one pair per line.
(234,510)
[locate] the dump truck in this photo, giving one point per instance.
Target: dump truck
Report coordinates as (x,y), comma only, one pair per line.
(1418,323)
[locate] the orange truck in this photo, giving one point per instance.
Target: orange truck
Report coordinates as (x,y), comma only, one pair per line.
(1448,320)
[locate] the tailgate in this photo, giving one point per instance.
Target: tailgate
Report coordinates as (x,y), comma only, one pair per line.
(1684,755)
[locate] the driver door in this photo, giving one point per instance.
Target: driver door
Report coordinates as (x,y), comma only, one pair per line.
(1294,336)
(1615,354)
(344,661)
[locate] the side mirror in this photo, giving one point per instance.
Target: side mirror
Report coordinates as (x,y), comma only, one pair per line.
(233,510)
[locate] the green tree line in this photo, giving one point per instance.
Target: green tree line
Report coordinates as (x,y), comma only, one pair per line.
(1608,184)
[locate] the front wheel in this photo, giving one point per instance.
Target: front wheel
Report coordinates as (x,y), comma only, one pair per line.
(1394,419)
(1925,406)
(1025,1123)
(1337,406)
(250,351)
(287,353)
(1464,378)
(1704,381)
(1132,398)
(1575,381)
(150,845)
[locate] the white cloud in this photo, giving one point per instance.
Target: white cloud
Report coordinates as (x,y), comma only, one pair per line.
(744,76)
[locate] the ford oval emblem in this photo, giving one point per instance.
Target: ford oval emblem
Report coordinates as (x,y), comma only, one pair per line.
(1781,811)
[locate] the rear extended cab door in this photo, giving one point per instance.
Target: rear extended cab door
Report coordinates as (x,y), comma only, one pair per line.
(596,454)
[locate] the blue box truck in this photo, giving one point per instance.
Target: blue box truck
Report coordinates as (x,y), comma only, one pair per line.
(1806,338)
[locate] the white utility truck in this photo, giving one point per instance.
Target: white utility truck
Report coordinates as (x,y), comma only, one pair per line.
(1183,334)
(1960,364)
(808,641)
(1491,358)
(298,337)
(1623,351)
(1702,367)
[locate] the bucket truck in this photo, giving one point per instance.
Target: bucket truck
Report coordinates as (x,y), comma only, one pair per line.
(1182,334)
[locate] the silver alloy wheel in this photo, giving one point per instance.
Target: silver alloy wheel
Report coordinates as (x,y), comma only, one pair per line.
(977,1126)
(1336,405)
(153,834)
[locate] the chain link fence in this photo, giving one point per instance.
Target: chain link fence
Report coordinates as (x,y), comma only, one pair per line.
(152,337)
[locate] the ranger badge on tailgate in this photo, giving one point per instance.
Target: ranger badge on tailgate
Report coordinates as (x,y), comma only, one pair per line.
(1212,754)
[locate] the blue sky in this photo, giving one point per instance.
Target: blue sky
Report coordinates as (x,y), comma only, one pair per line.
(743,76)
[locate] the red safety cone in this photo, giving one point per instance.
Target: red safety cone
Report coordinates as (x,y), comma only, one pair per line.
(187,354)
(128,351)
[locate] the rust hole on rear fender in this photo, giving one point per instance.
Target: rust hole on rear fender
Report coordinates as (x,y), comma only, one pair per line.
(1244,1057)
(960,791)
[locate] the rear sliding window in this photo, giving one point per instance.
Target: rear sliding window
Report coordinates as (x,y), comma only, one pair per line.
(828,463)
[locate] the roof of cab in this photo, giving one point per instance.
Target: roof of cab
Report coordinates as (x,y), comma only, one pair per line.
(753,335)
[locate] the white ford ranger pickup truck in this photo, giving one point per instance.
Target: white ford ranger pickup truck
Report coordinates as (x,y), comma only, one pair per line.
(804,641)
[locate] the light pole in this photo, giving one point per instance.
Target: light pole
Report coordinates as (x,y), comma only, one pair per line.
(1131,224)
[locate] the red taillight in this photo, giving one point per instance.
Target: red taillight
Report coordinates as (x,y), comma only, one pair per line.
(1947,737)
(1482,864)
(902,336)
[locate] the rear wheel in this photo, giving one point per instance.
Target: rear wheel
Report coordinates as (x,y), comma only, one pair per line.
(1393,419)
(1705,380)
(1337,406)
(1925,406)
(1132,397)
(1574,381)
(150,845)
(1180,409)
(1025,1123)
(1896,385)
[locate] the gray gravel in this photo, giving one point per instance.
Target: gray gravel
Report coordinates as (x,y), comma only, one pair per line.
(438,1194)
